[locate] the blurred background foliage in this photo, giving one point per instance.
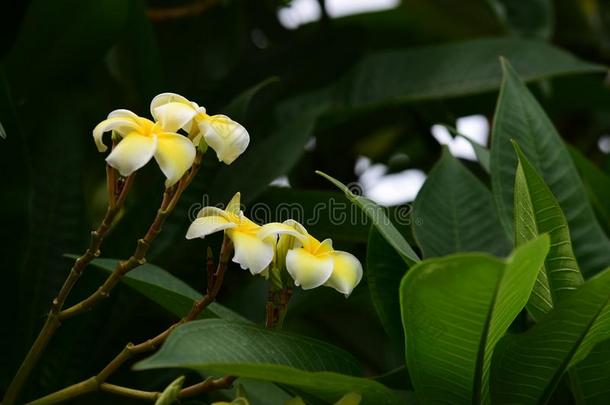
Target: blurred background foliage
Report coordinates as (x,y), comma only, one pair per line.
(353,95)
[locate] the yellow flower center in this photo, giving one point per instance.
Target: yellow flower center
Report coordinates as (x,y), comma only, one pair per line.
(147,127)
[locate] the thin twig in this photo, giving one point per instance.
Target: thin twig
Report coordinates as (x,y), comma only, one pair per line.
(131,350)
(115,203)
(170,199)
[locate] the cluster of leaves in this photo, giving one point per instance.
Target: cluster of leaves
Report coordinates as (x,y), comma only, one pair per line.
(472,327)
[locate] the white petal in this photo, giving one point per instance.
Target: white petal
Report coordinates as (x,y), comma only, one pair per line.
(209,211)
(175,155)
(251,252)
(174,116)
(228,138)
(123,113)
(202,227)
(276,228)
(165,98)
(307,270)
(347,272)
(133,152)
(122,121)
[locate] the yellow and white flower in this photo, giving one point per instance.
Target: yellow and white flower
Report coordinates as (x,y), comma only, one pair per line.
(312,263)
(141,140)
(228,138)
(254,244)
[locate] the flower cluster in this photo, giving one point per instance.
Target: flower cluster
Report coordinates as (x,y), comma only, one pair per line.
(287,245)
(142,139)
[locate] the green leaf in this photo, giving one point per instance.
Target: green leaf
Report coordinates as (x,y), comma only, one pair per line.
(170,393)
(527,367)
(384,270)
(520,117)
(454,212)
(169,292)
(238,108)
(537,212)
(591,377)
(415,74)
(468,67)
(455,309)
(250,351)
(379,220)
(480,151)
(532,18)
(597,184)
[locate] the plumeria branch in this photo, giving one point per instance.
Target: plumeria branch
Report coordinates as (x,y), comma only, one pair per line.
(91,385)
(277,307)
(57,315)
(170,199)
(98,382)
(118,189)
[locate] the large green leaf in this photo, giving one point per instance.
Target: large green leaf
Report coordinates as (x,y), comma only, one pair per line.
(597,184)
(591,377)
(384,270)
(520,117)
(250,351)
(455,309)
(537,212)
(166,290)
(527,367)
(454,69)
(438,72)
(380,221)
(454,212)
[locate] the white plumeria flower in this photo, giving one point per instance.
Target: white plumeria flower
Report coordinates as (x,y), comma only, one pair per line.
(228,138)
(312,263)
(141,140)
(254,244)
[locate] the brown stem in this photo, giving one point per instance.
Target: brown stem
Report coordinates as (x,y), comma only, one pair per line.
(209,384)
(277,306)
(131,350)
(170,199)
(53,319)
(92,385)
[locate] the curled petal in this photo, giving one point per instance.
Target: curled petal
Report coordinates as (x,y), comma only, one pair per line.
(276,228)
(347,272)
(210,211)
(251,252)
(174,116)
(228,138)
(307,270)
(175,155)
(201,227)
(165,98)
(133,152)
(123,113)
(122,121)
